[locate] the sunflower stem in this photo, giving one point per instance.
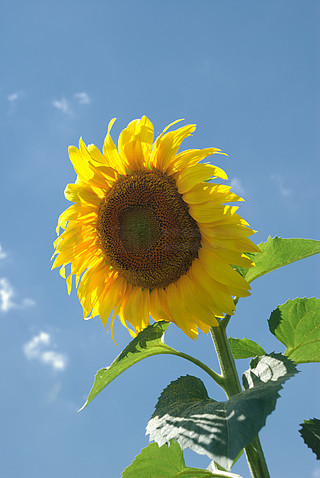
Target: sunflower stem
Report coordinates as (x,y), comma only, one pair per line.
(231,385)
(215,376)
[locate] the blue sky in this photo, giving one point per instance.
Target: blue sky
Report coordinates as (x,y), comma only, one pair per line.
(247,73)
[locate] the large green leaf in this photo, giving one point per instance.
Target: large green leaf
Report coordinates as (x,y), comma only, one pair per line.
(167,462)
(220,430)
(145,344)
(297,325)
(277,253)
(310,433)
(244,348)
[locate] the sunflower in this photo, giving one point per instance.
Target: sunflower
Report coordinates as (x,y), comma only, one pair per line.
(148,235)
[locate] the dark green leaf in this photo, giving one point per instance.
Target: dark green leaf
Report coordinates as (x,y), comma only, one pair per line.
(244,348)
(166,462)
(297,325)
(219,430)
(310,433)
(277,253)
(147,343)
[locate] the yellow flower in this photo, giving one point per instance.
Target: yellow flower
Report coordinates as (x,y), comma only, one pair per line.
(148,235)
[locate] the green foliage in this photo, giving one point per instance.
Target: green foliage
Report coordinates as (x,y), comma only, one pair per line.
(147,343)
(297,325)
(167,462)
(219,430)
(244,348)
(277,253)
(310,433)
(271,370)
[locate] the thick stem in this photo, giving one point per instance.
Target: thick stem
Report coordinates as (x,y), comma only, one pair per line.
(254,453)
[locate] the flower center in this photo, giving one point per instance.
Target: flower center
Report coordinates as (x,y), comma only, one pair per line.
(145,230)
(139,228)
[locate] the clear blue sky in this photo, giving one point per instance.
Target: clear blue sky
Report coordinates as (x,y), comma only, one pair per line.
(247,73)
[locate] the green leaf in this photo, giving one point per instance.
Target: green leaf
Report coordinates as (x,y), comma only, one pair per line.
(147,343)
(277,253)
(244,348)
(167,462)
(310,433)
(270,370)
(220,430)
(297,325)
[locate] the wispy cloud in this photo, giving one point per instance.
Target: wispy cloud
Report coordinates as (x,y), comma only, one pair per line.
(63,105)
(40,348)
(13,100)
(66,105)
(7,294)
(53,393)
(237,186)
(13,97)
(3,255)
(83,98)
(279,182)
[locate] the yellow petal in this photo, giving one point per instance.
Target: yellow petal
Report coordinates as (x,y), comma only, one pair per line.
(190,157)
(84,194)
(209,213)
(216,193)
(135,143)
(189,177)
(157,307)
(220,270)
(111,296)
(179,313)
(197,300)
(227,231)
(111,153)
(167,145)
(219,295)
(80,163)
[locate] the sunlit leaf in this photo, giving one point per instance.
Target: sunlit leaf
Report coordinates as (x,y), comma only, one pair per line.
(167,462)
(310,433)
(277,253)
(145,344)
(220,430)
(297,325)
(244,348)
(271,370)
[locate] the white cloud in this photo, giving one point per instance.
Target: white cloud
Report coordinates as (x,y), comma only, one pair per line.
(6,297)
(40,348)
(278,180)
(237,186)
(3,255)
(83,97)
(63,105)
(31,348)
(56,360)
(6,294)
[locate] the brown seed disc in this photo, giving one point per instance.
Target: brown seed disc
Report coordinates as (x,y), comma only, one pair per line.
(145,230)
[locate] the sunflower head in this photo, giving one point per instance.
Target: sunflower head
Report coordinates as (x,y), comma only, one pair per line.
(149,235)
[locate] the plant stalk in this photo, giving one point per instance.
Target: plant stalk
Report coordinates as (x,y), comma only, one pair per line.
(255,457)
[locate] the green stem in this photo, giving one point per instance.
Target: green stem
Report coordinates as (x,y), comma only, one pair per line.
(231,385)
(215,376)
